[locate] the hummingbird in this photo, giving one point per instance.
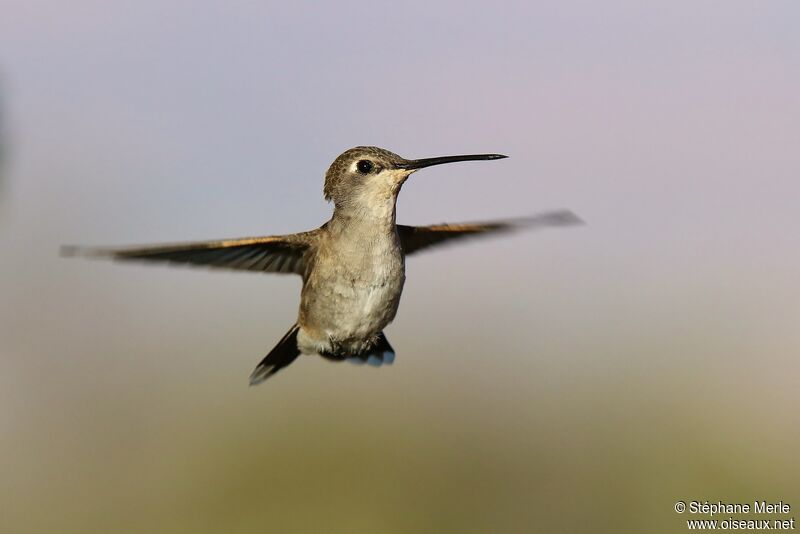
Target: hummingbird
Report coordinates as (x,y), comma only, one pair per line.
(352,267)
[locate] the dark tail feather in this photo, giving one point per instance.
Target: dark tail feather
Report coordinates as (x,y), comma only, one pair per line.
(284,353)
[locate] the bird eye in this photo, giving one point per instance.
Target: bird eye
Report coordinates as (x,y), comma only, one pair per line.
(364,166)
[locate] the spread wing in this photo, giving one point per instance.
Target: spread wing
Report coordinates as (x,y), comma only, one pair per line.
(416,238)
(271,254)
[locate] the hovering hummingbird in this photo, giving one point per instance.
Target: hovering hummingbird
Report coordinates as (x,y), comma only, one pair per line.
(353,266)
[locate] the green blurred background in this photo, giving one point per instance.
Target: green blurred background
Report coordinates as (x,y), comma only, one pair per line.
(573,380)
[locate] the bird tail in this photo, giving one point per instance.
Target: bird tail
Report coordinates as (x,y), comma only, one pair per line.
(381,353)
(284,353)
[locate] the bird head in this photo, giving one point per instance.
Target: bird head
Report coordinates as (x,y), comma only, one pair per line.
(368,176)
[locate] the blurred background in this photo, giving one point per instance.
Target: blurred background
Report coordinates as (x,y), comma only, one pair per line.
(579,379)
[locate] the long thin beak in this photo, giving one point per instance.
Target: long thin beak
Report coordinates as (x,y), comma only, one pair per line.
(416,164)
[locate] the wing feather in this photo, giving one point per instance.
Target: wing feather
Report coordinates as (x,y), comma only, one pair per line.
(416,238)
(276,254)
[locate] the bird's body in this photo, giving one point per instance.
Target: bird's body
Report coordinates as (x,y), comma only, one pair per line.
(347,300)
(353,266)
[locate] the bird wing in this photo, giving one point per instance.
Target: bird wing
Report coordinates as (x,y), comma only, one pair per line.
(270,254)
(416,238)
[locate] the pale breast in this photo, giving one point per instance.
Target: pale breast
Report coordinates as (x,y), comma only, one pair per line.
(352,293)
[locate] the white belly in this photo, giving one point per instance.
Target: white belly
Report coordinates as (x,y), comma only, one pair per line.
(366,309)
(345,307)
